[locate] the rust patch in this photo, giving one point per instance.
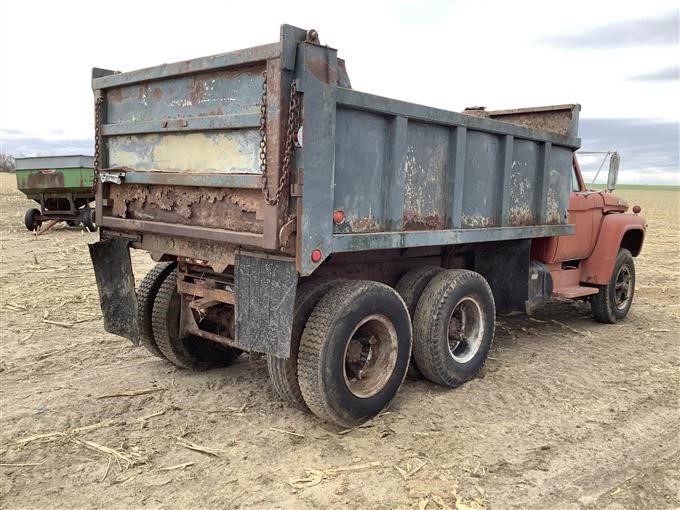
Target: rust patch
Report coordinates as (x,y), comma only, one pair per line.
(219,111)
(521,215)
(551,121)
(197,90)
(414,221)
(552,213)
(115,95)
(367,224)
(157,94)
(50,178)
(321,70)
(230,209)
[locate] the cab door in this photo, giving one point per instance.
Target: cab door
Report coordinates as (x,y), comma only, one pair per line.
(585,213)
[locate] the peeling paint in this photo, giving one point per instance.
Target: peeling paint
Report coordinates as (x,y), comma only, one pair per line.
(477,221)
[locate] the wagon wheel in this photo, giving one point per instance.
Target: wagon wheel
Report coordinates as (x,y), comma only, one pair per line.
(88,220)
(32,220)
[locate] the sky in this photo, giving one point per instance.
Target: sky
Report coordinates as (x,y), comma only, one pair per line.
(618,59)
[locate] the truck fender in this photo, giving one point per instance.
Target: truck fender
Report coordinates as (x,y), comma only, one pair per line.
(618,230)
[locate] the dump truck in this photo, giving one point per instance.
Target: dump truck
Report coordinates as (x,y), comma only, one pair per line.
(62,185)
(347,237)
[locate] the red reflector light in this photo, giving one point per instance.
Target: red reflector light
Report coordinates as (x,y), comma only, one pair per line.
(637,209)
(338,217)
(316,256)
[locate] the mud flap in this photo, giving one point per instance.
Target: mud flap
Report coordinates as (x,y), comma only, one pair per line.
(265,295)
(116,285)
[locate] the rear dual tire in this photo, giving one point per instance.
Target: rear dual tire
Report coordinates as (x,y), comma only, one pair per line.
(410,287)
(453,327)
(283,372)
(354,352)
(191,352)
(146,294)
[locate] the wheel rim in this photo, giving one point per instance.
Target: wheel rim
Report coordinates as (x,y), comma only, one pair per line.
(370,356)
(623,287)
(465,330)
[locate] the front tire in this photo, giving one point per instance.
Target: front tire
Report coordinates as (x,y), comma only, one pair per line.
(612,303)
(192,352)
(354,352)
(453,327)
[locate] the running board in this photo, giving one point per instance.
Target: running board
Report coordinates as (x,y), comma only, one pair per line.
(575,292)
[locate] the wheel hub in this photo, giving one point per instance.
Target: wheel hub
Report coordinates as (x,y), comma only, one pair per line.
(622,287)
(465,330)
(370,356)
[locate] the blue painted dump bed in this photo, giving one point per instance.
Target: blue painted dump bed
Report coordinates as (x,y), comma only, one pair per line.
(187,148)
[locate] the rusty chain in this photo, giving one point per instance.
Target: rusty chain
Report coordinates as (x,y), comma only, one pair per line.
(98,104)
(293,125)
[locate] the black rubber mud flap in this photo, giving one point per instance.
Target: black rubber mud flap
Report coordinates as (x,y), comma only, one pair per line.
(116,285)
(265,295)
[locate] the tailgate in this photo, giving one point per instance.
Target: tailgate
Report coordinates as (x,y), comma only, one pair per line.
(179,145)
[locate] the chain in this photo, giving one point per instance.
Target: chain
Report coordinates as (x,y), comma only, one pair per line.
(98,104)
(293,125)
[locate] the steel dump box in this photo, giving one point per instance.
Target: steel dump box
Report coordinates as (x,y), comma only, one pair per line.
(181,173)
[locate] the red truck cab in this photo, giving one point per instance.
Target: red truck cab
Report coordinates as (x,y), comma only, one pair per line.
(596,262)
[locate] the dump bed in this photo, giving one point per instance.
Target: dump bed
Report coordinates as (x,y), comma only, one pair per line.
(189,152)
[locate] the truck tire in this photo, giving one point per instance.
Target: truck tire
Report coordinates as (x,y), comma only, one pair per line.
(453,327)
(613,301)
(410,287)
(31,220)
(88,220)
(192,352)
(146,293)
(283,373)
(354,352)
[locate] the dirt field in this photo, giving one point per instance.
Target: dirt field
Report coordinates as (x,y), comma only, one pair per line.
(568,414)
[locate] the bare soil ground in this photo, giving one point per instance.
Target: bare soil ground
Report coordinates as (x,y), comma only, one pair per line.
(568,414)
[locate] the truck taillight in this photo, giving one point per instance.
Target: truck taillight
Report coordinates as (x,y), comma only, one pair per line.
(637,209)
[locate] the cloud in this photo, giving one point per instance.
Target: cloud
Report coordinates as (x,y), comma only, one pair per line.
(660,30)
(647,147)
(666,74)
(35,146)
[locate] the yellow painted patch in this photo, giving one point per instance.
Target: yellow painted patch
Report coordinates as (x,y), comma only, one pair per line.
(234,152)
(123,158)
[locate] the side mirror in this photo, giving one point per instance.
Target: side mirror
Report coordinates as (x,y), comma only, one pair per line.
(614,161)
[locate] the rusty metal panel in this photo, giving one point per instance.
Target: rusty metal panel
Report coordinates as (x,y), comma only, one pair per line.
(561,119)
(523,184)
(559,185)
(229,209)
(426,174)
(220,92)
(360,165)
(481,186)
